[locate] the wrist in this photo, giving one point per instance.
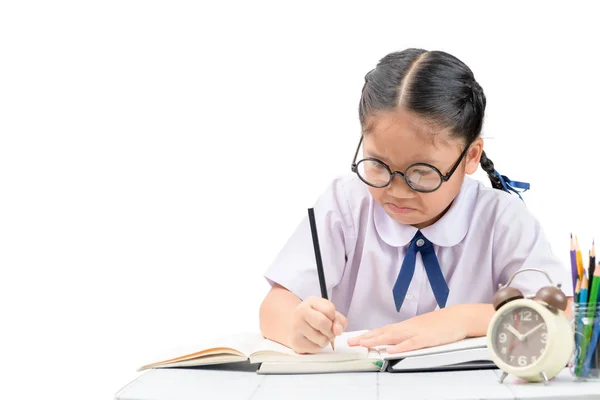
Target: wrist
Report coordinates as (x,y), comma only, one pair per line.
(475,318)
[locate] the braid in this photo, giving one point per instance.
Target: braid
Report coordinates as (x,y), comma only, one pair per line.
(488,166)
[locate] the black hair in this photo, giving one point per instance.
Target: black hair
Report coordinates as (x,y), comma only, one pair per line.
(434,85)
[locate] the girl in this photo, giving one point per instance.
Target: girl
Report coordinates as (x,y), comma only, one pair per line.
(413,250)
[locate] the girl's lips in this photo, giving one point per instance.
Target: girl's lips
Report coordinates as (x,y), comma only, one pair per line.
(400,210)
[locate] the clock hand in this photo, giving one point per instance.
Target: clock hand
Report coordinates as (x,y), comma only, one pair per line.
(515,332)
(532,330)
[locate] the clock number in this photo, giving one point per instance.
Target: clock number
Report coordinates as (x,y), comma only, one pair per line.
(525,315)
(544,337)
(522,361)
(502,337)
(533,359)
(503,351)
(511,359)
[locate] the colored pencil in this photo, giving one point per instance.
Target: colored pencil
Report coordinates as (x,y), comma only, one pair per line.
(593,300)
(574,270)
(592,266)
(587,327)
(578,258)
(584,290)
(592,314)
(596,356)
(578,319)
(592,352)
(315,239)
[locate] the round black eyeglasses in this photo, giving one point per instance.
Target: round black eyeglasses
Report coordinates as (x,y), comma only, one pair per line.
(421,177)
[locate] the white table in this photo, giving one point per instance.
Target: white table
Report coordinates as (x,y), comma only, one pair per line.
(242,382)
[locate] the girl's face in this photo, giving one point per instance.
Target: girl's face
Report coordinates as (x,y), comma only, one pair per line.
(399,139)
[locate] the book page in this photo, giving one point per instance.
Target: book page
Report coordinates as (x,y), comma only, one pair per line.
(440,360)
(272,351)
(368,364)
(469,343)
(239,345)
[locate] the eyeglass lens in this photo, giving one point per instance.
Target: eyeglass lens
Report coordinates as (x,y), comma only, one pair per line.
(419,176)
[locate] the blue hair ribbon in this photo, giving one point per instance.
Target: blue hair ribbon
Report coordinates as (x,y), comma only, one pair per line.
(512,186)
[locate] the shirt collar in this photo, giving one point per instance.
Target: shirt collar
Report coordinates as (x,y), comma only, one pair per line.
(447,231)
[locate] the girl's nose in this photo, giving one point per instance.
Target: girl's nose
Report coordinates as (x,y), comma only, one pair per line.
(399,188)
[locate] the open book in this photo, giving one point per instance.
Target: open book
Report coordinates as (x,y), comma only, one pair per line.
(275,358)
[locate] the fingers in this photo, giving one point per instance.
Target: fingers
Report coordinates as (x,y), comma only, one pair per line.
(320,323)
(387,335)
(304,346)
(333,324)
(314,336)
(412,343)
(373,333)
(339,324)
(324,306)
(355,341)
(316,323)
(380,340)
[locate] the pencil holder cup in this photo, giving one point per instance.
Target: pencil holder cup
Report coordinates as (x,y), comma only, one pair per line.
(585,364)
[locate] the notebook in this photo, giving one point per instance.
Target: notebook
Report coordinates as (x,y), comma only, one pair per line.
(274,358)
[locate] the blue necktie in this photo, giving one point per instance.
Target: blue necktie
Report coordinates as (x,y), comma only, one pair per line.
(419,243)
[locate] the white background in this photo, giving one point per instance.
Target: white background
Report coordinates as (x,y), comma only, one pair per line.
(119,238)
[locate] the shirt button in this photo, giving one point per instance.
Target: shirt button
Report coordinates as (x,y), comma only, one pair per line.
(420,242)
(409,296)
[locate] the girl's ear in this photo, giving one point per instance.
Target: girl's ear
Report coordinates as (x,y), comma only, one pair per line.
(474,156)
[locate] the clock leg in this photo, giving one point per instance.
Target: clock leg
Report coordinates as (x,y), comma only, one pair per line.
(504,375)
(544,377)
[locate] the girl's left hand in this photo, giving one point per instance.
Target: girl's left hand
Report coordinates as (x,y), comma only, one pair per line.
(435,328)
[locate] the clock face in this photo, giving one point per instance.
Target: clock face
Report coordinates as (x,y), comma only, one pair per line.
(519,337)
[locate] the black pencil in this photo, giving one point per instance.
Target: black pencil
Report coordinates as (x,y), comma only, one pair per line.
(592,265)
(315,239)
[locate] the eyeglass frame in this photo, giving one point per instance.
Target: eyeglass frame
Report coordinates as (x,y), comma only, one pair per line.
(443,178)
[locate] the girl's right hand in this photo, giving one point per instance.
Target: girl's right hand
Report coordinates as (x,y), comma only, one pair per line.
(315,323)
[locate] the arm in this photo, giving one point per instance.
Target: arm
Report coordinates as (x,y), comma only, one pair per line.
(294,313)
(275,314)
(304,326)
(476,318)
(450,324)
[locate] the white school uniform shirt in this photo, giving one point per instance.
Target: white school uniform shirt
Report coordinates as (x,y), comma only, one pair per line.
(485,236)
